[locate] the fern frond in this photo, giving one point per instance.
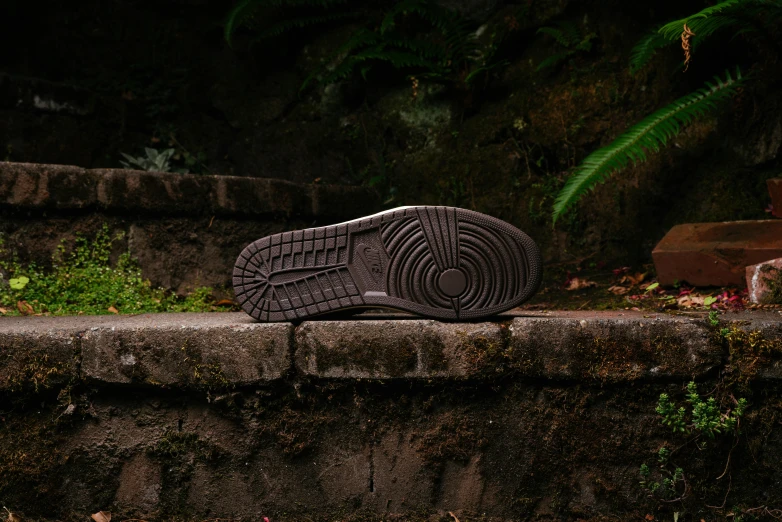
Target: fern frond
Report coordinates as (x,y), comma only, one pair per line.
(554,60)
(673,30)
(244,9)
(644,50)
(235,16)
(742,16)
(425,48)
(555,33)
(445,20)
(650,134)
(300,23)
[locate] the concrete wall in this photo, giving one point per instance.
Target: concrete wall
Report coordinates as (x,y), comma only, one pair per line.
(529,417)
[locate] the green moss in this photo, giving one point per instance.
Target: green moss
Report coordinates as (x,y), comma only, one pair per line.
(37,372)
(773,280)
(206,375)
(83,280)
(371,355)
(749,351)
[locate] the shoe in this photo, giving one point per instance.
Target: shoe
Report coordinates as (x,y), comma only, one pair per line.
(439,262)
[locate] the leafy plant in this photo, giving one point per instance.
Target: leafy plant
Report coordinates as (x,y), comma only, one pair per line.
(420,37)
(672,483)
(570,38)
(650,134)
(154,161)
(738,16)
(443,48)
(705,419)
(84,281)
(295,14)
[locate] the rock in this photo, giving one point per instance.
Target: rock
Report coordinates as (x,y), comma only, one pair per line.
(397,349)
(715,254)
(186,350)
(609,348)
(775,190)
(758,278)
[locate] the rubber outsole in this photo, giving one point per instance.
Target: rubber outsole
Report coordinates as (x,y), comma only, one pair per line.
(439,262)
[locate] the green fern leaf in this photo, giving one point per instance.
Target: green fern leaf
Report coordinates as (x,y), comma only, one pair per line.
(673,30)
(645,49)
(742,16)
(650,134)
(555,33)
(235,16)
(554,60)
(300,23)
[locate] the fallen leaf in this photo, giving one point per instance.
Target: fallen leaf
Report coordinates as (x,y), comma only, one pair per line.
(113,310)
(649,517)
(225,302)
(578,283)
(454,516)
(18,283)
(618,290)
(24,307)
(12,517)
(637,278)
(651,287)
(102,516)
(708,301)
(3,310)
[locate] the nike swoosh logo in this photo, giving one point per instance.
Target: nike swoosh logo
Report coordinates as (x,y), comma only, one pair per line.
(372,261)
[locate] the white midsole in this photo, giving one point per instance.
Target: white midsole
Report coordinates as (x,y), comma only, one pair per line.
(377,214)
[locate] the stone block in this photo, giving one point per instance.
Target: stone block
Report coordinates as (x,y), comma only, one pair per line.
(34,186)
(612,349)
(186,350)
(389,349)
(757,279)
(715,254)
(36,354)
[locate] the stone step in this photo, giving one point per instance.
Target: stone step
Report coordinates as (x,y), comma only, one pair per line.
(386,417)
(185,229)
(715,254)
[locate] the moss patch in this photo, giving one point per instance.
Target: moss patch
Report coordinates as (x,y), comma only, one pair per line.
(773,280)
(84,280)
(749,352)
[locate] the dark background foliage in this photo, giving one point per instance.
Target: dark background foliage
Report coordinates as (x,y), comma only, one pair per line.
(81,83)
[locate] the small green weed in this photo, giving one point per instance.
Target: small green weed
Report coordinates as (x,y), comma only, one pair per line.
(706,417)
(704,420)
(83,281)
(571,39)
(153,161)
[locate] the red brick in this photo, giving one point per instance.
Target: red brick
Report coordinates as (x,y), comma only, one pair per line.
(775,189)
(756,280)
(716,254)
